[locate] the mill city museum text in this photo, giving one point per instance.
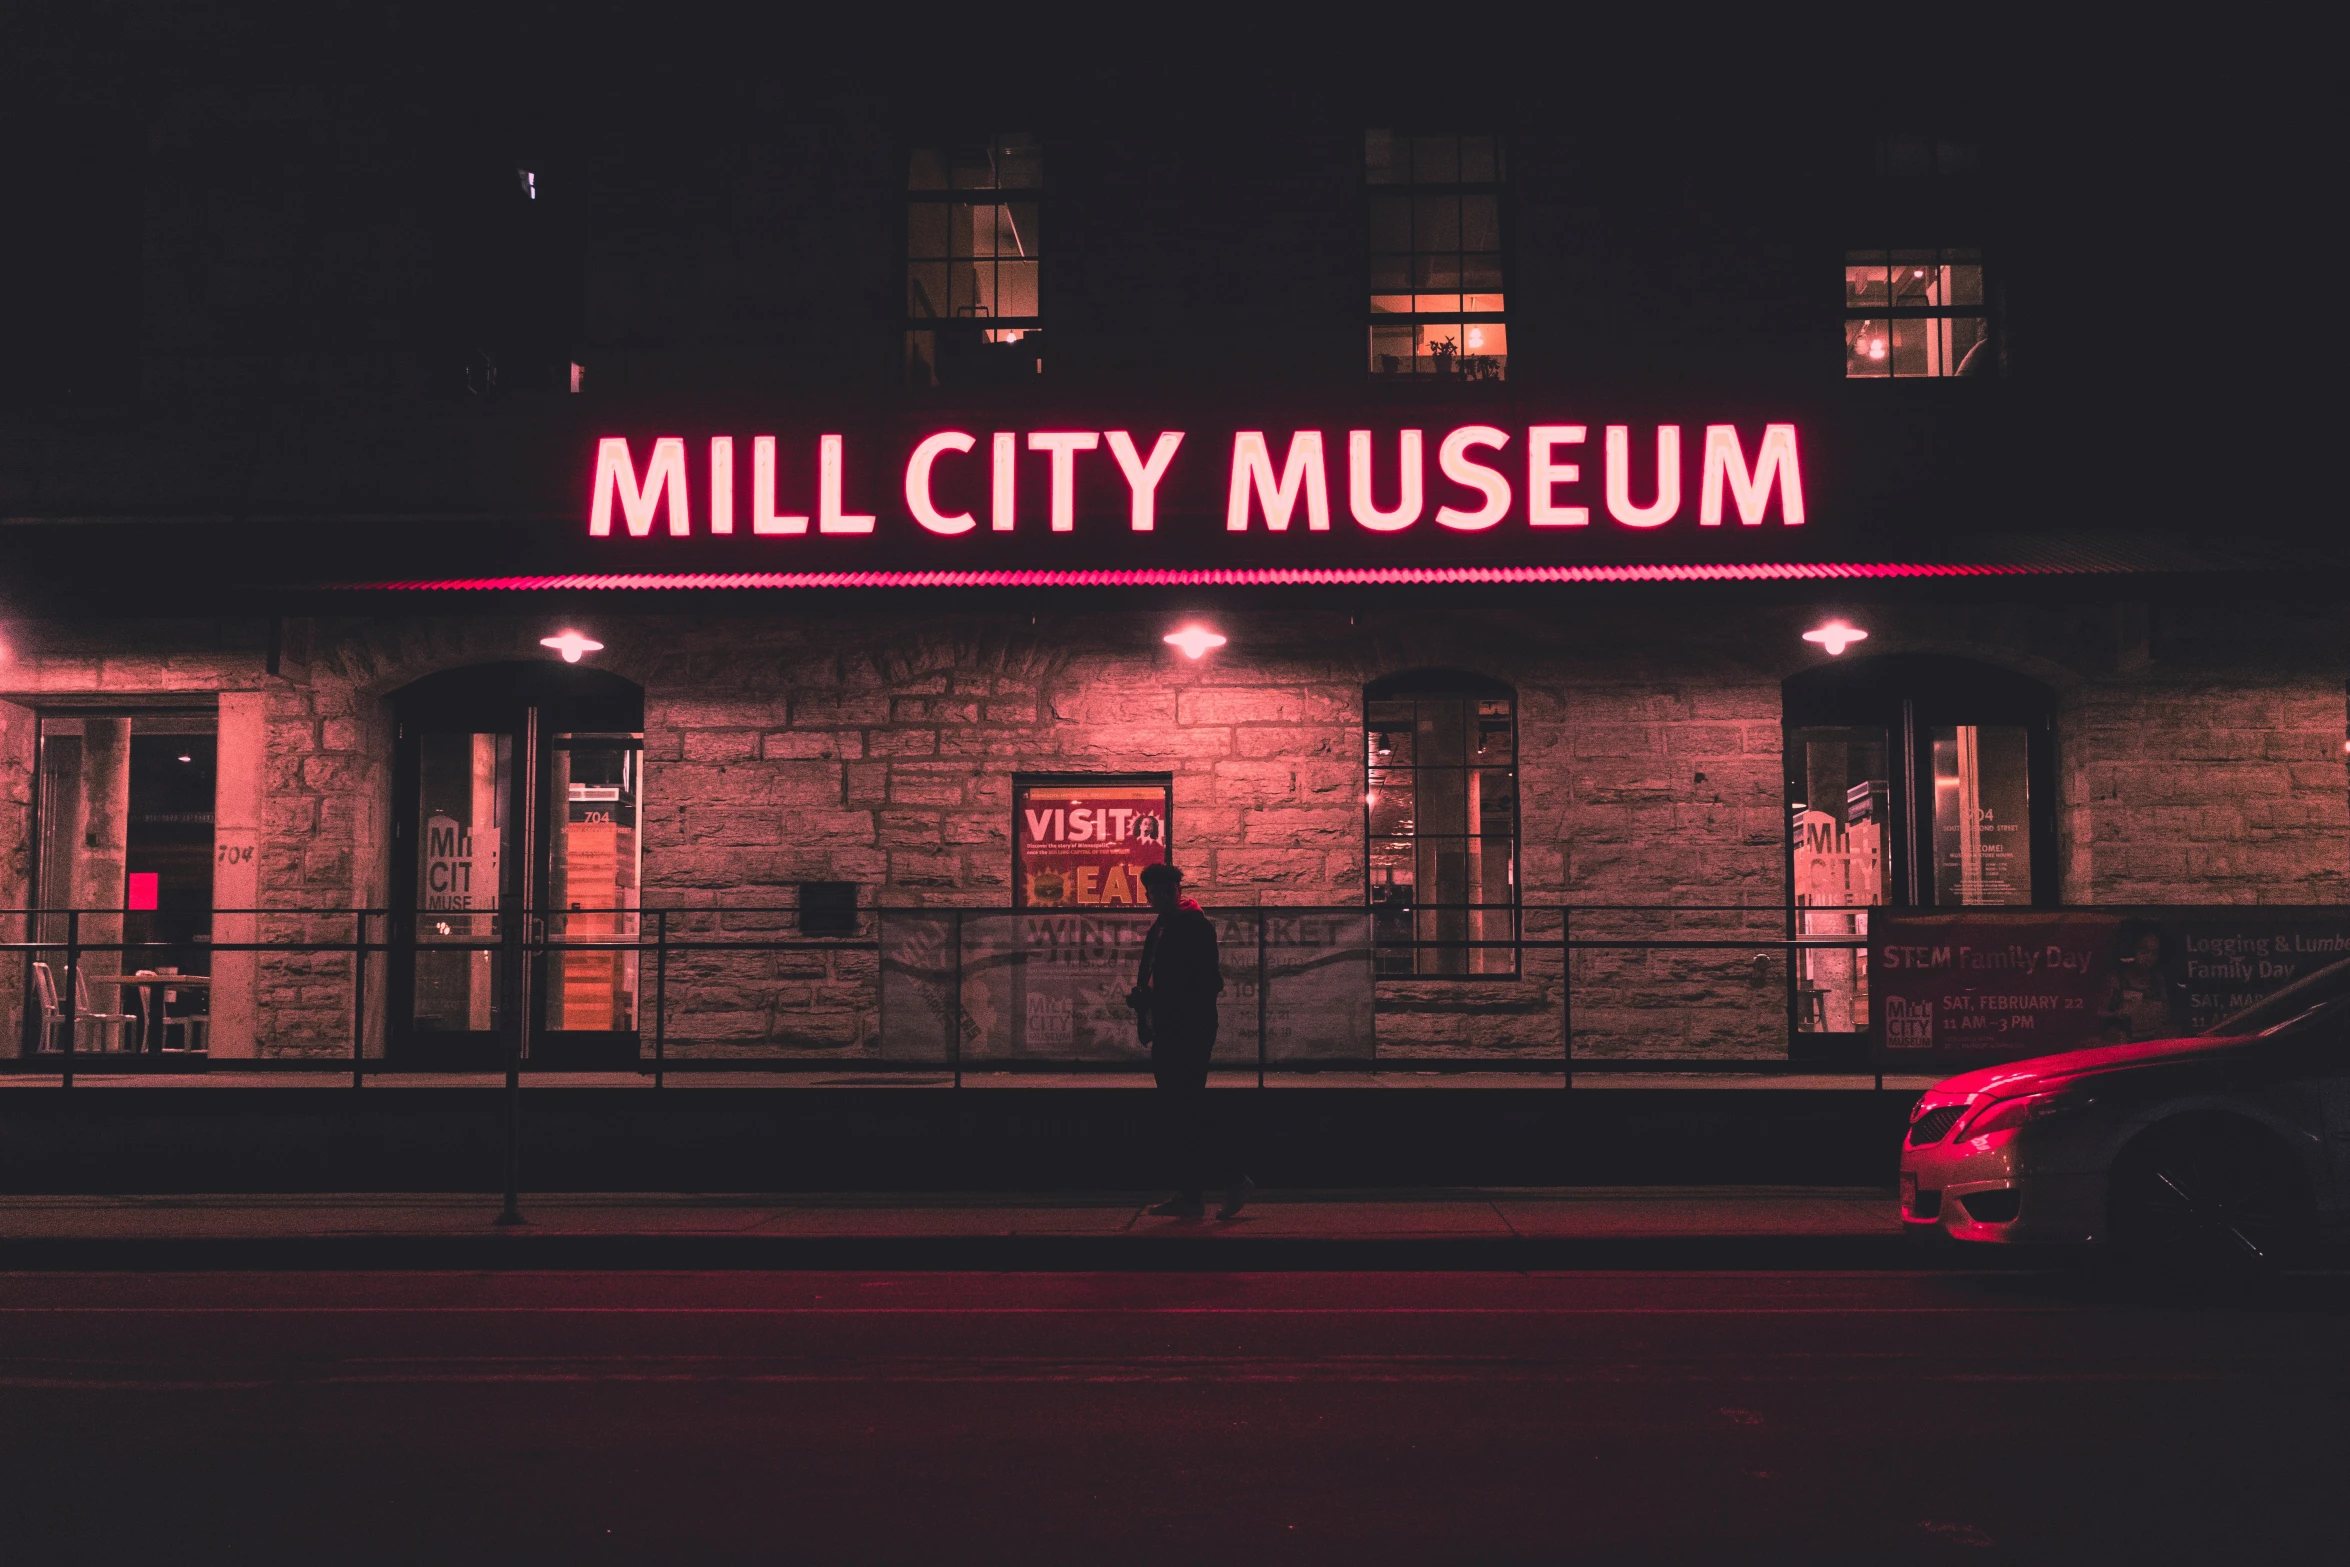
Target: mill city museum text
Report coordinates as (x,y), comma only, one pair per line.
(1484,477)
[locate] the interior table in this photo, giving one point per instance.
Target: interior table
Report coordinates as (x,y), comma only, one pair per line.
(151,1031)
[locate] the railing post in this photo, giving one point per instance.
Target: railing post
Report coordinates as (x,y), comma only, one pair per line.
(955,1013)
(1567,993)
(359,1003)
(73,988)
(660,997)
(1262,996)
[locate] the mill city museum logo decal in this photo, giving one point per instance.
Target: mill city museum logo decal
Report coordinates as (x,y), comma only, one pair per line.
(1165,506)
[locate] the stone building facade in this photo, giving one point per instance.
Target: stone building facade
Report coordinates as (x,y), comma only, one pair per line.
(2200,759)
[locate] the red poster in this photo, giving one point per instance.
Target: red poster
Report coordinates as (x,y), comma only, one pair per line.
(1083,845)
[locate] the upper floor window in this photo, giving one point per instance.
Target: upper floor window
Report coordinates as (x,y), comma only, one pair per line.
(1914,313)
(1436,260)
(972,261)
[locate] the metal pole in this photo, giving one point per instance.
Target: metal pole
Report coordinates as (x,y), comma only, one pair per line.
(73,988)
(359,1004)
(660,996)
(1261,998)
(521,941)
(1567,992)
(955,1018)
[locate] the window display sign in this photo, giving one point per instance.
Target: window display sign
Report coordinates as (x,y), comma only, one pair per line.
(1082,843)
(460,865)
(1982,814)
(1959,989)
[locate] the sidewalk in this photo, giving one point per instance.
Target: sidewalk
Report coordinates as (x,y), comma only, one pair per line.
(1462,1227)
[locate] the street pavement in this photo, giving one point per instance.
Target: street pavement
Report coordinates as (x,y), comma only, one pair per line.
(1182,1416)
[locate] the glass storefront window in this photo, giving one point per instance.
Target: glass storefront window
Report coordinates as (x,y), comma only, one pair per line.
(1440,799)
(126,838)
(593,864)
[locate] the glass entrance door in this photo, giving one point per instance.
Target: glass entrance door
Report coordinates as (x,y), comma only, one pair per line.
(460,830)
(514,890)
(590,799)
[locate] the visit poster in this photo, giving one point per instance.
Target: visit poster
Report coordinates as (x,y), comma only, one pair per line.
(1084,844)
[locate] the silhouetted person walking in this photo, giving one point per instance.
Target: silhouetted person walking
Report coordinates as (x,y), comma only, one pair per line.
(1174,1001)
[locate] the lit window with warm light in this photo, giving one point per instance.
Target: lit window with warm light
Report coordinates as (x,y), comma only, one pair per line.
(1436,294)
(973,267)
(1915,314)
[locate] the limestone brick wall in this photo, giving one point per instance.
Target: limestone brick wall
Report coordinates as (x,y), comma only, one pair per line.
(2192,789)
(887,758)
(19,756)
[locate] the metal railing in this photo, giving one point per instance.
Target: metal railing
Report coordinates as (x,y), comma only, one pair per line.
(1308,979)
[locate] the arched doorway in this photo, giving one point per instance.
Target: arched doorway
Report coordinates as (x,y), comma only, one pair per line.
(517,804)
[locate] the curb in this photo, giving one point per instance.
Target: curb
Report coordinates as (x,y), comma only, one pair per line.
(522,1249)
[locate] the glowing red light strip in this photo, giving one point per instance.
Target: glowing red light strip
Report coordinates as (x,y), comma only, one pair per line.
(1369,576)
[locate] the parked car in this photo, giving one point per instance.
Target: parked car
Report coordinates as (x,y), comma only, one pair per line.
(2234,1144)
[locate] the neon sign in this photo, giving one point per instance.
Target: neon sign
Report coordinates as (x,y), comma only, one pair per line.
(1273,483)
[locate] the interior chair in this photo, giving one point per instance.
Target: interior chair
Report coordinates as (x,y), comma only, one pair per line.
(53,1023)
(91,1018)
(193,1028)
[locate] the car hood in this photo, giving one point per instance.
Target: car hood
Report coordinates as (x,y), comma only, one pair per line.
(2016,1077)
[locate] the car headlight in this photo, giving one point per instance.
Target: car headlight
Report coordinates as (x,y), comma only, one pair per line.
(2005,1115)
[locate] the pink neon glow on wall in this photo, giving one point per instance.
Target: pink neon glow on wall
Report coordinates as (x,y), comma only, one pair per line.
(1774,463)
(763,517)
(1368,576)
(616,479)
(1619,477)
(1301,472)
(1003,492)
(1143,477)
(143,890)
(1544,470)
(1453,458)
(721,484)
(829,516)
(1254,484)
(1360,499)
(918,502)
(1064,447)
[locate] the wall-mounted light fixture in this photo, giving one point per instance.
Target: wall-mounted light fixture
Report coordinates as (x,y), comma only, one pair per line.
(1836,635)
(1194,640)
(571,645)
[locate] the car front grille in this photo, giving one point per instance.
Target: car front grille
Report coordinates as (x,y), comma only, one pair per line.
(1934,1125)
